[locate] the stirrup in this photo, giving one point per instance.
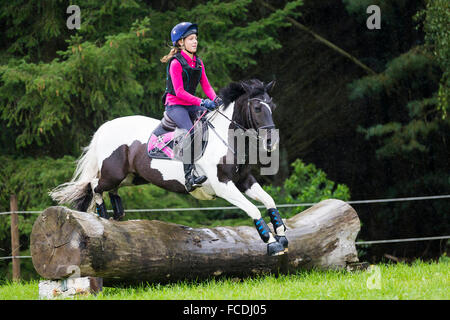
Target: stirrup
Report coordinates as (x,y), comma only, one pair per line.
(192,181)
(198,181)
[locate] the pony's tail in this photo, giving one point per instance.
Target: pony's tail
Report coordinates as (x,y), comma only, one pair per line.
(78,191)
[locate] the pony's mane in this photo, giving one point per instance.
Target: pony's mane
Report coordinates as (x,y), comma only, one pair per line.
(235,90)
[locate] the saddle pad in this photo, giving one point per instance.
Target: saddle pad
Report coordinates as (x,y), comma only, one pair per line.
(161,146)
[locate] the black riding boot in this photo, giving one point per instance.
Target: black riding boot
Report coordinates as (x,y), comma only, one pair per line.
(192,181)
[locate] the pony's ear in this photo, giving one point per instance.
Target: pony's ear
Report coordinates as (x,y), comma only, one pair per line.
(270,86)
(247,88)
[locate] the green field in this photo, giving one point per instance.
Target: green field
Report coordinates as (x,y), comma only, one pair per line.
(419,280)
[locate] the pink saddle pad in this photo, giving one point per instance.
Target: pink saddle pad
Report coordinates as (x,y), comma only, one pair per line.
(159,143)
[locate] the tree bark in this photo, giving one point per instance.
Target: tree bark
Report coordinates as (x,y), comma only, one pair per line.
(67,243)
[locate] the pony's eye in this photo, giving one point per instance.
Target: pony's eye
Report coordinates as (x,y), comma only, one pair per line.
(258,109)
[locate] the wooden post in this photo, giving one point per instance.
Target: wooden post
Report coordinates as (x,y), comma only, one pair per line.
(15,238)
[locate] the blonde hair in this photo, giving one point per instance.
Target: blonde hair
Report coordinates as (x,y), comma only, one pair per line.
(173,51)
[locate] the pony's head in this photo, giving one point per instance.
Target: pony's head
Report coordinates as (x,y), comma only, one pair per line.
(253,108)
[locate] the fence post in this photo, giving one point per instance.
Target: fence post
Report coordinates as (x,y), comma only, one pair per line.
(15,245)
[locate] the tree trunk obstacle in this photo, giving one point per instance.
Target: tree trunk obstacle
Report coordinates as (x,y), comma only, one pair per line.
(67,243)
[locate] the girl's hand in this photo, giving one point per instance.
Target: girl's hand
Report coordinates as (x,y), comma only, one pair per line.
(218,101)
(208,104)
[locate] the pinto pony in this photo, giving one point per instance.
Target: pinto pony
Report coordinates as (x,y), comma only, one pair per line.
(117,156)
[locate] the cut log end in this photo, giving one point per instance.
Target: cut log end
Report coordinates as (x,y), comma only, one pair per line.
(56,239)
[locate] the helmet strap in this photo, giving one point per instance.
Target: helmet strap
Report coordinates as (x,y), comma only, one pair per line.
(183,47)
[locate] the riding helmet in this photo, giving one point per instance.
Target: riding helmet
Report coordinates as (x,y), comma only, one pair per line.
(182,30)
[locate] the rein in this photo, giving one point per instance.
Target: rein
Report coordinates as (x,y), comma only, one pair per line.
(250,118)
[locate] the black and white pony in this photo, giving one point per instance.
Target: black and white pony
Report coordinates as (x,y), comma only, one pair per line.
(117,156)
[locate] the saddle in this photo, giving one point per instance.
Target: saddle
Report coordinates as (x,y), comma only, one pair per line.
(167,140)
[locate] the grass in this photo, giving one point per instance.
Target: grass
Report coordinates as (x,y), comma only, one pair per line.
(418,281)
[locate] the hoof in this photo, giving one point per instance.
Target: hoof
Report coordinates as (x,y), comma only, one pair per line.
(284,241)
(275,249)
(119,217)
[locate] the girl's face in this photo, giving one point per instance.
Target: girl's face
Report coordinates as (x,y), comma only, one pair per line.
(190,43)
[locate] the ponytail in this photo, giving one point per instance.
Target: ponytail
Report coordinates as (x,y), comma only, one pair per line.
(173,51)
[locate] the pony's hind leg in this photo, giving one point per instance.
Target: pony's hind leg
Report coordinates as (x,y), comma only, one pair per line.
(114,170)
(100,207)
(116,203)
(110,186)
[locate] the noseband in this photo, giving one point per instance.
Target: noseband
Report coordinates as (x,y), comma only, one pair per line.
(265,103)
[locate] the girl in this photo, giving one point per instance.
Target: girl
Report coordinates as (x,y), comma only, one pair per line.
(184,72)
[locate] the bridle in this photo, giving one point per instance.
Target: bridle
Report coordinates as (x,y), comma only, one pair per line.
(266,104)
(250,118)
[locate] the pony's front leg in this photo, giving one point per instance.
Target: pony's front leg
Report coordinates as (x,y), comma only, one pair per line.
(256,192)
(231,193)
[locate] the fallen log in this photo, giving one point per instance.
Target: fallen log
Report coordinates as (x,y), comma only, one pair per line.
(65,243)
